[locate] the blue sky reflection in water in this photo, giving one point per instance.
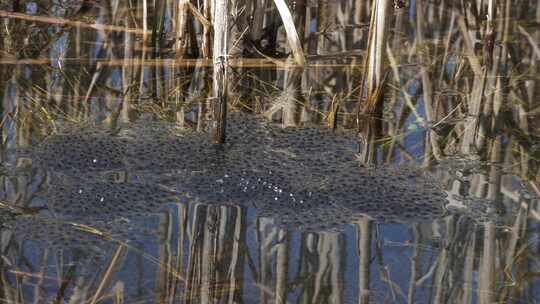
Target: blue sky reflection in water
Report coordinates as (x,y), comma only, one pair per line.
(112,192)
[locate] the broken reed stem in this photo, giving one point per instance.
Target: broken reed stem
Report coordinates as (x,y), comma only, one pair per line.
(220,81)
(292,35)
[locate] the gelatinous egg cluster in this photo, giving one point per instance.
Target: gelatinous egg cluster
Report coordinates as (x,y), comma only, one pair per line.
(308,177)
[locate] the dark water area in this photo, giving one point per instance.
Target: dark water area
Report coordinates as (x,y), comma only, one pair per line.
(111,190)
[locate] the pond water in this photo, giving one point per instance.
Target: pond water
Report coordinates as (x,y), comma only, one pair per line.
(112,191)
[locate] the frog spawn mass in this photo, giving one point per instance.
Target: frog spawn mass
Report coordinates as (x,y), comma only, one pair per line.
(303,177)
(105,200)
(75,152)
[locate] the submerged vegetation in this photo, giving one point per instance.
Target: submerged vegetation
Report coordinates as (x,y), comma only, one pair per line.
(209,151)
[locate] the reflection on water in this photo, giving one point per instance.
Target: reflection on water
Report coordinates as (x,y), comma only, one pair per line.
(276,214)
(112,192)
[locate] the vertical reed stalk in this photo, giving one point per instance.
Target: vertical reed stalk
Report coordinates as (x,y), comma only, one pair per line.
(415,265)
(488,263)
(364,255)
(257,19)
(282,267)
(266,233)
(468,269)
(427,87)
(220,74)
(209,256)
(238,256)
(210,9)
(373,74)
(359,16)
(181,28)
(323,12)
(377,46)
(442,262)
(145,20)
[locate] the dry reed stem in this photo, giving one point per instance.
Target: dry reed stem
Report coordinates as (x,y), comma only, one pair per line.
(292,35)
(62,21)
(182,62)
(200,17)
(181,29)
(220,75)
(108,273)
(363,246)
(469,47)
(206,40)
(145,20)
(531,40)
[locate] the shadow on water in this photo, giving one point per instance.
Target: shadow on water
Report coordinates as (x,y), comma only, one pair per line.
(424,191)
